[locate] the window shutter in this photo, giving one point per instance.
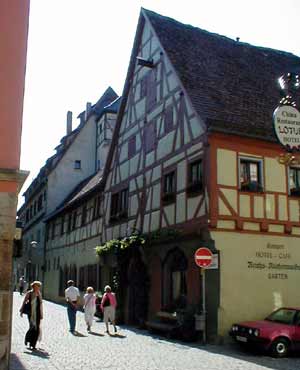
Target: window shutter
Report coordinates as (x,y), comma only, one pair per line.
(131,146)
(168,118)
(149,134)
(151,90)
(143,92)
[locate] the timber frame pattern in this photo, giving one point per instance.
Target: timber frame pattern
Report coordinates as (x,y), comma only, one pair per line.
(172,150)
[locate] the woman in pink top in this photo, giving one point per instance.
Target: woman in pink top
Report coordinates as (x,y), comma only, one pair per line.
(108,306)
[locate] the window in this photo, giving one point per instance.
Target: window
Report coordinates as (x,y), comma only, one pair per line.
(53,231)
(47,232)
(149,137)
(77,165)
(251,175)
(97,204)
(35,208)
(92,275)
(98,164)
(31,212)
(169,119)
(62,225)
(174,280)
(40,202)
(169,187)
(69,222)
(83,215)
(119,205)
(294,181)
(74,220)
(27,215)
(132,147)
(195,183)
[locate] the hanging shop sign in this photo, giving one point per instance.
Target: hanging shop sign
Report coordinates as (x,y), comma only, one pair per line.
(286,123)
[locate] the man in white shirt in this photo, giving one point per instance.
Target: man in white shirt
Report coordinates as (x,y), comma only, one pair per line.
(72,297)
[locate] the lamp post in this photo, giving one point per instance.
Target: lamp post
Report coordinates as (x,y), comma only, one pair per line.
(33,245)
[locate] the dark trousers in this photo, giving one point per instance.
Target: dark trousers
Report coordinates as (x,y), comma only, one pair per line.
(71,316)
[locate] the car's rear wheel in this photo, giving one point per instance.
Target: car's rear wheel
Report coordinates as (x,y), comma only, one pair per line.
(280,347)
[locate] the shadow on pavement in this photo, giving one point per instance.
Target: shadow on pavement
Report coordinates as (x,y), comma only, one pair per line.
(117,335)
(97,334)
(232,350)
(15,363)
(39,352)
(256,357)
(78,334)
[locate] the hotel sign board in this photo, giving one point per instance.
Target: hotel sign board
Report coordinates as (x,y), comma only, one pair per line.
(286,121)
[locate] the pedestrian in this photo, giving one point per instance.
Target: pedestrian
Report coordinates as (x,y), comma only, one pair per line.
(72,297)
(21,285)
(33,307)
(89,307)
(108,306)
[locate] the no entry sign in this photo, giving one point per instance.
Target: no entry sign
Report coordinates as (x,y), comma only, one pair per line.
(203,257)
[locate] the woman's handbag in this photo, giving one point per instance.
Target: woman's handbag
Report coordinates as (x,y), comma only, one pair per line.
(26,309)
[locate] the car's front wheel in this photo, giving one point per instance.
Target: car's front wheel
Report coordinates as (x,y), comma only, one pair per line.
(280,347)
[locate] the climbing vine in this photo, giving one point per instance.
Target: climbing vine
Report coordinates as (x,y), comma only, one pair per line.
(121,244)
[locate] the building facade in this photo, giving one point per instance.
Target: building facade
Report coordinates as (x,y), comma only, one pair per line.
(75,160)
(193,162)
(75,227)
(13,49)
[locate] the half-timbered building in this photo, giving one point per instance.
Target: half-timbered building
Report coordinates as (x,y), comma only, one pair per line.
(194,163)
(194,152)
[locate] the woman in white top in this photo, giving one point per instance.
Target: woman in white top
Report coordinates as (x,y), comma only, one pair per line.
(89,307)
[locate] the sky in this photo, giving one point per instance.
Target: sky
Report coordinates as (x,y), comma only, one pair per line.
(77,48)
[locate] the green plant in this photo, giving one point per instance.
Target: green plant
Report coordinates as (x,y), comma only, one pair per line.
(116,245)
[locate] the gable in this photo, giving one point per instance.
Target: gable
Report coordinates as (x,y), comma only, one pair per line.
(157,127)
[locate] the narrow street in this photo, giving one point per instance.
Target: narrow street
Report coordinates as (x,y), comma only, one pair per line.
(132,349)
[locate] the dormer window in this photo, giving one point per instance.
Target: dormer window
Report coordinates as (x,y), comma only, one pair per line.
(77,165)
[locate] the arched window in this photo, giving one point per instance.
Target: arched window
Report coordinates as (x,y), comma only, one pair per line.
(174,280)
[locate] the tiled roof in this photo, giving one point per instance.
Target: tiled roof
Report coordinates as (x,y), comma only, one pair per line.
(232,85)
(107,98)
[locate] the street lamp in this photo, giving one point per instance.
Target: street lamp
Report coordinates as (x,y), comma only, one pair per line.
(33,245)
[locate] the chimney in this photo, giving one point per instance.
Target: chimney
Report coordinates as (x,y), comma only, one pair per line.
(88,109)
(69,122)
(237,39)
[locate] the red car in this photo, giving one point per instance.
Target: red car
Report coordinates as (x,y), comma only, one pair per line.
(279,333)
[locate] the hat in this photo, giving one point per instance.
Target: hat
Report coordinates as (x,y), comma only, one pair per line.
(70,282)
(36,282)
(107,288)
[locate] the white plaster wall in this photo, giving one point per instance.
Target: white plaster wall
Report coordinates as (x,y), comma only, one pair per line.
(64,177)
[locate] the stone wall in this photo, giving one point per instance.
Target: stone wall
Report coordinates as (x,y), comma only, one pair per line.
(7,228)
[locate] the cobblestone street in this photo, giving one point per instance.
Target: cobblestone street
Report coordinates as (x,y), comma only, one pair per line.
(133,349)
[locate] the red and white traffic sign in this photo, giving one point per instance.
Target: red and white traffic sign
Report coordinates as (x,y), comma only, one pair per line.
(203,257)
